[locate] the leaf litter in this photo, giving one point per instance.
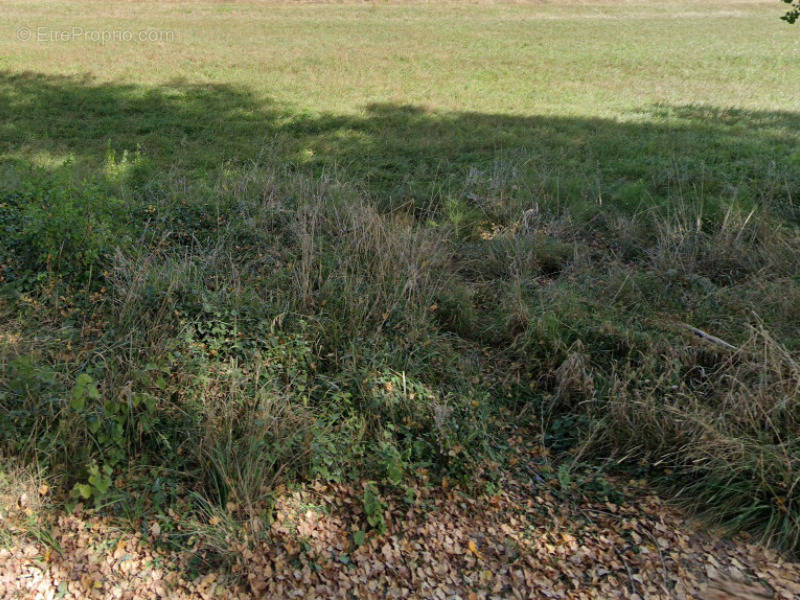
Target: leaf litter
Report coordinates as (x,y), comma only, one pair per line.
(517,543)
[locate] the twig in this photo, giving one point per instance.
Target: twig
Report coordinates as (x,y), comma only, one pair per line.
(631,580)
(661,556)
(708,337)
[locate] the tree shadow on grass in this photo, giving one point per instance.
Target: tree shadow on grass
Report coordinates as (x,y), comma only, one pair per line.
(401,153)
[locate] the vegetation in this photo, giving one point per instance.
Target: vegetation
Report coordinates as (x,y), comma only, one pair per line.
(793,13)
(316,259)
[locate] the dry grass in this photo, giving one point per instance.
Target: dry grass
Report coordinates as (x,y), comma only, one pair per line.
(327,254)
(725,422)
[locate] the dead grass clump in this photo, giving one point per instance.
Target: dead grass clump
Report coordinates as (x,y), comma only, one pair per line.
(728,430)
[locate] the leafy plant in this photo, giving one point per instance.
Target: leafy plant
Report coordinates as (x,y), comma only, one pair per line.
(53,225)
(84,390)
(98,484)
(374,507)
(793,13)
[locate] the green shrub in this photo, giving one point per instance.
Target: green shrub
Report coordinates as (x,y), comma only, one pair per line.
(53,224)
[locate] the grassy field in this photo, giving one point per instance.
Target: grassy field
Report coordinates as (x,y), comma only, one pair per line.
(275,242)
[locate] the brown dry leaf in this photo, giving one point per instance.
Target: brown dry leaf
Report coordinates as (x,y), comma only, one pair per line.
(472,547)
(531,546)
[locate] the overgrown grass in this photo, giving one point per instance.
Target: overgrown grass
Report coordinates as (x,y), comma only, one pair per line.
(210,290)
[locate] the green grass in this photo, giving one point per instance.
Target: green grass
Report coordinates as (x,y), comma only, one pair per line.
(606,101)
(343,241)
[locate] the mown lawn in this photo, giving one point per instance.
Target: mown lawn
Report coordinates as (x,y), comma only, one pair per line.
(290,242)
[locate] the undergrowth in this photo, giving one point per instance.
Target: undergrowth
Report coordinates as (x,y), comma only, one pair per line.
(201,344)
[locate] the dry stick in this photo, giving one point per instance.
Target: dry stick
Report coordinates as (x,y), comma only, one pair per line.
(630,576)
(661,556)
(708,337)
(631,580)
(398,574)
